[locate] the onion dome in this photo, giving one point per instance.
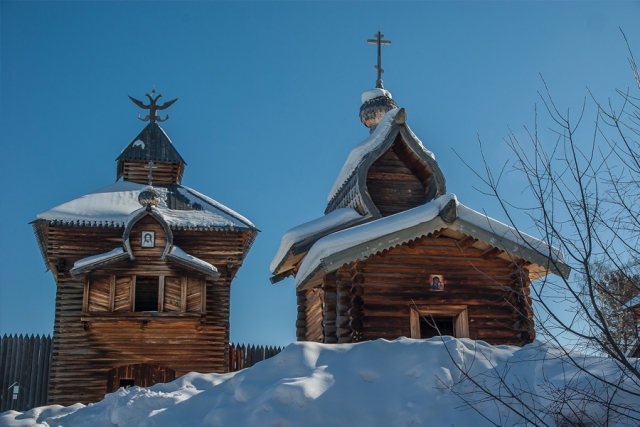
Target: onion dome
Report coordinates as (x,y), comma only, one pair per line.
(375,104)
(149,197)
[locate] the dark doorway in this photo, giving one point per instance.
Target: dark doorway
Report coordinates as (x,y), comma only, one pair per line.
(429,326)
(139,374)
(126,383)
(146,293)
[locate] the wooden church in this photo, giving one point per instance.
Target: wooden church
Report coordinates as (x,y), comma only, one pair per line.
(396,255)
(143,269)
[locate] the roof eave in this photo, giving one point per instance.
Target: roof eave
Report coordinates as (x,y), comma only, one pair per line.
(76,273)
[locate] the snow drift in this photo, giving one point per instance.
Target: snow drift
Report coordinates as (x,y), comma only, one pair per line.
(404,382)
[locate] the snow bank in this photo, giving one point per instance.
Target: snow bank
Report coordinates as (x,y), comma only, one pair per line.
(379,383)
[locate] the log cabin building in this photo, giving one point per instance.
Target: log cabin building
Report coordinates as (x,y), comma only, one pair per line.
(143,269)
(396,255)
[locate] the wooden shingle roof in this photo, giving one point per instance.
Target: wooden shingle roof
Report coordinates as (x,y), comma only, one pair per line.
(151,144)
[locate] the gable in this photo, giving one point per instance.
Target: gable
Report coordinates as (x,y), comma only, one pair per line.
(351,189)
(397,182)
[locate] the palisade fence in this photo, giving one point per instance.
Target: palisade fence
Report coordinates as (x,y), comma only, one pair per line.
(25,362)
(241,357)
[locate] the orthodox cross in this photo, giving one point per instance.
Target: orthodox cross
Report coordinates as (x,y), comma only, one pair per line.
(378,39)
(153,107)
(151,167)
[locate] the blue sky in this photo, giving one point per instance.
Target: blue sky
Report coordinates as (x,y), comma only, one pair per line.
(268,111)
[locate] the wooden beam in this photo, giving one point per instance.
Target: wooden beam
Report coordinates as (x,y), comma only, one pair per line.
(85,296)
(466,242)
(183,294)
(112,292)
(414,318)
(203,295)
(132,297)
(491,253)
(161,294)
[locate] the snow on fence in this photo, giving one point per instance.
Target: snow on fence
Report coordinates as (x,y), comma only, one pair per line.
(241,357)
(25,362)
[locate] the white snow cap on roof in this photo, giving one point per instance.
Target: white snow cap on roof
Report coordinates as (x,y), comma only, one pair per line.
(353,236)
(112,205)
(179,253)
(375,93)
(361,150)
(344,239)
(97,258)
(302,231)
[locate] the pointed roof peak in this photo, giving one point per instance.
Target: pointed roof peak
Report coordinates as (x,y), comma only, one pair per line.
(152,143)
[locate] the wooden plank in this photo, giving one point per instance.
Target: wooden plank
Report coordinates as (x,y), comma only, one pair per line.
(414,321)
(161,294)
(183,294)
(132,297)
(85,296)
(112,292)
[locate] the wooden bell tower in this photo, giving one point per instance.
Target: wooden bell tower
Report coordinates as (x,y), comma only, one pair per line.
(143,269)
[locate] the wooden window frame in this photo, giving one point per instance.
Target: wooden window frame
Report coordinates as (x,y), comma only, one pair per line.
(459,313)
(132,295)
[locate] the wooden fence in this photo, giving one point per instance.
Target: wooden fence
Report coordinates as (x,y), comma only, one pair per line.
(25,362)
(241,357)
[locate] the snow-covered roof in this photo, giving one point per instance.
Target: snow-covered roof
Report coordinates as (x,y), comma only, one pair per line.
(330,222)
(112,206)
(180,256)
(94,261)
(375,93)
(152,143)
(175,254)
(362,241)
(360,151)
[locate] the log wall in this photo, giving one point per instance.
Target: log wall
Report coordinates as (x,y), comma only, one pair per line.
(494,291)
(163,173)
(87,345)
(393,186)
(314,315)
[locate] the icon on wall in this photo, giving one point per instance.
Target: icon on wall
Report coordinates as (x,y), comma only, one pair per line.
(148,239)
(437,282)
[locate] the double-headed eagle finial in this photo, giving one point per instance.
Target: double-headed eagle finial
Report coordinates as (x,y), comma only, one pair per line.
(153,107)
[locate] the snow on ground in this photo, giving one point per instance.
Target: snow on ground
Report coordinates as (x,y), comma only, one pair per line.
(404,382)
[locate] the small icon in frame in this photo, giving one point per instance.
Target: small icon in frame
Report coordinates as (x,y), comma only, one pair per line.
(148,239)
(437,282)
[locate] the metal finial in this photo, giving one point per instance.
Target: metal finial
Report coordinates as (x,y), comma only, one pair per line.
(153,107)
(378,39)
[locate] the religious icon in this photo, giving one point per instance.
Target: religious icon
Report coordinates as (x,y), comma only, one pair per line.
(437,282)
(148,239)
